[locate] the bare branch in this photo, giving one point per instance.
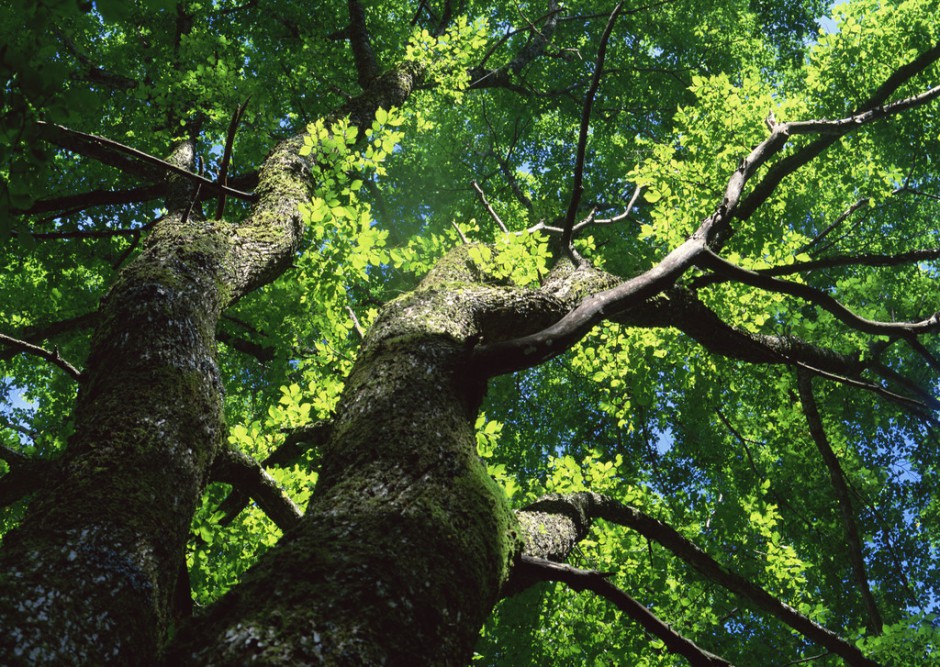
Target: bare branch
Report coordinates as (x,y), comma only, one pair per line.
(227,155)
(832,262)
(35,350)
(128,159)
(579,580)
(592,219)
(577,186)
(602,507)
(486,204)
(838,221)
(709,259)
(837,477)
(86,233)
(80,202)
(243,472)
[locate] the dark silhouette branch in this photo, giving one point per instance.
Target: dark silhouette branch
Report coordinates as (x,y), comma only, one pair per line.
(79,202)
(831,262)
(262,353)
(129,160)
(710,260)
(25,476)
(597,506)
(816,240)
(227,156)
(367,68)
(597,582)
(837,477)
(50,356)
(247,475)
(577,185)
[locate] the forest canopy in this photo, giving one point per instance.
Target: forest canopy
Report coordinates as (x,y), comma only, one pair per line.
(448,332)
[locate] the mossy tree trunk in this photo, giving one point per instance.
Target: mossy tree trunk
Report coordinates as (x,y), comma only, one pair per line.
(407,541)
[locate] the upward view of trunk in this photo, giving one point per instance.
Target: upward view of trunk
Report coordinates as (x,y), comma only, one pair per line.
(407,541)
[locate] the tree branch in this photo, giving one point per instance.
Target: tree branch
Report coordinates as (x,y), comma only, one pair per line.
(833,130)
(35,350)
(299,441)
(227,156)
(816,240)
(577,186)
(710,260)
(486,204)
(853,541)
(579,580)
(128,159)
(79,202)
(247,475)
(832,262)
(594,505)
(366,66)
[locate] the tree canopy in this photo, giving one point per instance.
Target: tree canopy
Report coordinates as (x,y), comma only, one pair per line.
(667,269)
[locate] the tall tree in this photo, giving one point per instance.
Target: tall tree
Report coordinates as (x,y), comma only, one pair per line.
(330,335)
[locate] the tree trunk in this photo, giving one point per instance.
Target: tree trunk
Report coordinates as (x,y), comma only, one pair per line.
(407,540)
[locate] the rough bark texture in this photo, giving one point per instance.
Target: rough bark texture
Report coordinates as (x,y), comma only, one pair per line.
(89,576)
(95,561)
(407,540)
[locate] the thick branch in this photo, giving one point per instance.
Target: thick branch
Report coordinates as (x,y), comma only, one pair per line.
(508,356)
(597,582)
(299,441)
(852,538)
(594,505)
(246,474)
(366,66)
(128,159)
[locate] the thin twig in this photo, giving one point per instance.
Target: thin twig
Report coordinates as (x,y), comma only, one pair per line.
(492,212)
(227,155)
(577,187)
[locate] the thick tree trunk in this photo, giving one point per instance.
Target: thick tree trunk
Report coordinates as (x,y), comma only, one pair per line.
(407,540)
(89,576)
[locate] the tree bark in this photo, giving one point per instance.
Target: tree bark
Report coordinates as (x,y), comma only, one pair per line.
(407,540)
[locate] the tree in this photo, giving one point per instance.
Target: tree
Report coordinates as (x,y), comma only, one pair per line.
(499,293)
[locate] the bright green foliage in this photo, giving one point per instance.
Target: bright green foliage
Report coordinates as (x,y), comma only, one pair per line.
(716,447)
